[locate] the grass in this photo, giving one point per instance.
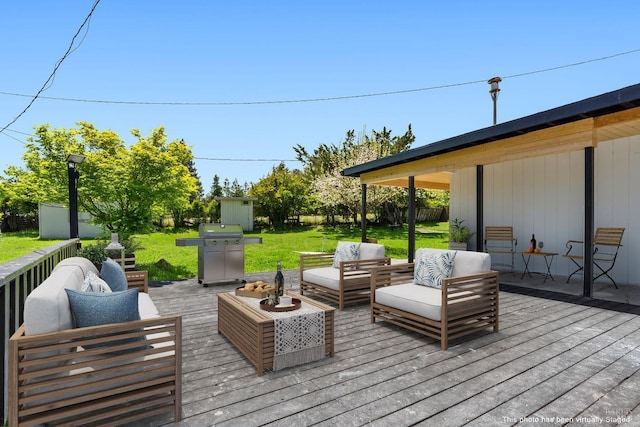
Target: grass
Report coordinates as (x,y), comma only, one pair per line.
(166,261)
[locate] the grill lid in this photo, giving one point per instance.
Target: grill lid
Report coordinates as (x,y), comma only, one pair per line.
(220,231)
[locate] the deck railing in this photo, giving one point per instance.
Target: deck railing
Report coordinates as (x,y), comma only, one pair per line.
(17,279)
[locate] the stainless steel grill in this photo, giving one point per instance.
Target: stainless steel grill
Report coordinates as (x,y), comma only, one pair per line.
(220,252)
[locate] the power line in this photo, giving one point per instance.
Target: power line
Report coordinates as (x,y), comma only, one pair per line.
(70,49)
(245,160)
(322,99)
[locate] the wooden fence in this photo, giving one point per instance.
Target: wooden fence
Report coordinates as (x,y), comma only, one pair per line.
(17,279)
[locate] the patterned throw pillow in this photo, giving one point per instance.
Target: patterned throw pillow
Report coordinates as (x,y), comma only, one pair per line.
(93,283)
(346,251)
(433,267)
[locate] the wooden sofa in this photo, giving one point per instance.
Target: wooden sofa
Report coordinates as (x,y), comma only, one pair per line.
(54,379)
(347,284)
(467,302)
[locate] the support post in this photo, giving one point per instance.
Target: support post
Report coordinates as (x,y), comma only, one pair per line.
(412,219)
(363,212)
(479,208)
(589,213)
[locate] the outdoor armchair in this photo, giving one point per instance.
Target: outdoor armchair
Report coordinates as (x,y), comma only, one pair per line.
(500,240)
(606,243)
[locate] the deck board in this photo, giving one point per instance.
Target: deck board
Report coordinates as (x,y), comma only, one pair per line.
(552,359)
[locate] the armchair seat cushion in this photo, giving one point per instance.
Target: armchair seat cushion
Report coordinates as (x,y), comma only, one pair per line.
(423,301)
(328,277)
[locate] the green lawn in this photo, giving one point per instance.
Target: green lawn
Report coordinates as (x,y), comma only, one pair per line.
(166,261)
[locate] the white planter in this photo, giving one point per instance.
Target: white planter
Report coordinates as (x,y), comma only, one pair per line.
(458,246)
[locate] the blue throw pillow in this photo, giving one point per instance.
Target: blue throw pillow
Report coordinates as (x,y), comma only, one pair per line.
(102,308)
(112,273)
(433,267)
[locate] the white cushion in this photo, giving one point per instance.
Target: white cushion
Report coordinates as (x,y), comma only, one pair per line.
(83,263)
(328,277)
(421,300)
(46,309)
(146,307)
(371,251)
(466,262)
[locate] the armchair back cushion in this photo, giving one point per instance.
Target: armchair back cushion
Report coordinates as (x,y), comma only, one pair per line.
(371,251)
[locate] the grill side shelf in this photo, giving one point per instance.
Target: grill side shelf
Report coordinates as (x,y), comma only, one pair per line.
(195,241)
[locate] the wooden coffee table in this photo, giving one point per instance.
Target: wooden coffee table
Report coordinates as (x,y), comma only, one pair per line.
(251,331)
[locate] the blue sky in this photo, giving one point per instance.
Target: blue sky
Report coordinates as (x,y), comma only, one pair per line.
(244,52)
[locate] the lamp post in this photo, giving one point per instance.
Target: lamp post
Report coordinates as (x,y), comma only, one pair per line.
(495,89)
(72,161)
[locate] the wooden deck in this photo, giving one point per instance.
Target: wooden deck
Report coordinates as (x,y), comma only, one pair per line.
(552,363)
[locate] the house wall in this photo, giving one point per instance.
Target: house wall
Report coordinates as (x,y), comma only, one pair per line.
(237,212)
(545,196)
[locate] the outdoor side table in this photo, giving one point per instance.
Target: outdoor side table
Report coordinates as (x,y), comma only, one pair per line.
(548,260)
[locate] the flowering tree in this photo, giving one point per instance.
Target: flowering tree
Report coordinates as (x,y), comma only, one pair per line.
(339,194)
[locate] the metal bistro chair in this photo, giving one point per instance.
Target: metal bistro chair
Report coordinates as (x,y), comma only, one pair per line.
(500,240)
(606,243)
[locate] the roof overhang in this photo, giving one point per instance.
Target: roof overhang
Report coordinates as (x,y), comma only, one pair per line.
(567,128)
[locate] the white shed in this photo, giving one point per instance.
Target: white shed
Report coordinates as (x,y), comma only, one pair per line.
(54,223)
(237,210)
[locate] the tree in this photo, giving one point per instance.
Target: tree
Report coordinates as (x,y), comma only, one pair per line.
(236,190)
(123,188)
(281,194)
(340,194)
(195,209)
(212,205)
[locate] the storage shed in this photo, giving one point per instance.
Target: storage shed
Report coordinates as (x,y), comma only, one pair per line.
(54,223)
(237,210)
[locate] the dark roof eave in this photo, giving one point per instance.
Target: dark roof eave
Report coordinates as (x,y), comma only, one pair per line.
(610,102)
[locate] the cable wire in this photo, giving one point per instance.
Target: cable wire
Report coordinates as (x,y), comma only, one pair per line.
(245,160)
(70,49)
(331,98)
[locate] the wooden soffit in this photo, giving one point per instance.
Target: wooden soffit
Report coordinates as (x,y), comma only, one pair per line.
(434,172)
(618,125)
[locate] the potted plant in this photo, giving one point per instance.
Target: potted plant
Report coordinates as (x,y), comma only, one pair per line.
(94,253)
(97,252)
(459,235)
